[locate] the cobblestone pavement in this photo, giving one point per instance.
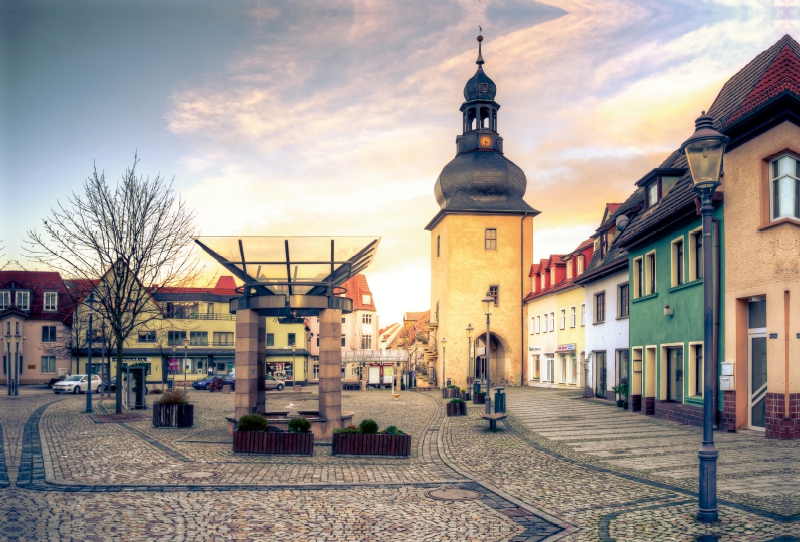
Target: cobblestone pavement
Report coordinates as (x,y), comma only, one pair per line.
(71,477)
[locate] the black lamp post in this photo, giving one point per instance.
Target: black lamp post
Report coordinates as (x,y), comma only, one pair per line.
(470,370)
(488,305)
(90,303)
(704,151)
(17,338)
(8,362)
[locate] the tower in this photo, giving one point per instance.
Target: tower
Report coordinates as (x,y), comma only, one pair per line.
(481,240)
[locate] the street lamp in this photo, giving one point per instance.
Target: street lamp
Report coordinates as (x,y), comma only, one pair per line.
(17,338)
(185,361)
(488,305)
(8,361)
(704,151)
(470,370)
(90,303)
(444,359)
(294,349)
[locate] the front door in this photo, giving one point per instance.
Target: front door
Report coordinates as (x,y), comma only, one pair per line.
(600,380)
(757,354)
(675,375)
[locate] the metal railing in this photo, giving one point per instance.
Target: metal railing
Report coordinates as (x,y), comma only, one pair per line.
(201,316)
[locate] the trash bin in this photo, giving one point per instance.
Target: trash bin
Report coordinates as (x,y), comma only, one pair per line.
(499,400)
(476,387)
(169,384)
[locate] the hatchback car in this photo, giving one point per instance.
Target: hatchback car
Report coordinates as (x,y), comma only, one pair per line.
(272,383)
(78,384)
(206,382)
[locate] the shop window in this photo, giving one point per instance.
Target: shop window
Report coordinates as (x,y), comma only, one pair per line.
(48,334)
(622,366)
(536,368)
(563,375)
(573,373)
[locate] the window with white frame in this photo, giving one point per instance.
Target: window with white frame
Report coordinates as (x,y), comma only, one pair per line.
(563,371)
(563,314)
(599,307)
(580,265)
(48,364)
(5,299)
(696,370)
(785,187)
(569,269)
(623,295)
(24,300)
(678,263)
(148,336)
(51,301)
(583,314)
(538,324)
(49,334)
(366,299)
(532,327)
(553,276)
(366,342)
(650,273)
(638,278)
(543,280)
(696,254)
(490,239)
(552,321)
(366,318)
(572,317)
(494,292)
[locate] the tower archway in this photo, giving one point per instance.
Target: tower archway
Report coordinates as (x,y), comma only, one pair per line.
(499,358)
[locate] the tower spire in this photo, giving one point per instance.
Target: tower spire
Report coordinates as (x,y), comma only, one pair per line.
(479,62)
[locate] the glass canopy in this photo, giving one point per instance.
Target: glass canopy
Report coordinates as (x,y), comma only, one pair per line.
(292,265)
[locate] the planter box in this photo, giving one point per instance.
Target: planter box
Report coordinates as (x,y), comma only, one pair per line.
(173,415)
(360,444)
(464,396)
(449,393)
(456,409)
(262,442)
(479,398)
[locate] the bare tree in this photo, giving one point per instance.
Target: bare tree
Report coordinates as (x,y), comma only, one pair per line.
(124,243)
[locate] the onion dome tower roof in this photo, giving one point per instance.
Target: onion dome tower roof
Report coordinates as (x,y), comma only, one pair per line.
(480,179)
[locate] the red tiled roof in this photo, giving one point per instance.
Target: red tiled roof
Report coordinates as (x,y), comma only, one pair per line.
(226,282)
(357,288)
(38,282)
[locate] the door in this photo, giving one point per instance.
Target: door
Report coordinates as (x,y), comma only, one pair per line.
(600,379)
(675,375)
(757,354)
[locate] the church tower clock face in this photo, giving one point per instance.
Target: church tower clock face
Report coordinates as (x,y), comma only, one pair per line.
(486,141)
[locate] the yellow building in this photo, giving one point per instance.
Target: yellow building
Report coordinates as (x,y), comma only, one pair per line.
(481,241)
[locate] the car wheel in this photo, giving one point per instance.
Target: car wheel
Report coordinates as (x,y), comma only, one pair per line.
(76,389)
(57,392)
(280,387)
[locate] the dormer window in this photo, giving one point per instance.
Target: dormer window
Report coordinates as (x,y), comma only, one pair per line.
(23,300)
(5,299)
(580,265)
(569,269)
(543,280)
(652,195)
(659,188)
(51,301)
(553,277)
(484,87)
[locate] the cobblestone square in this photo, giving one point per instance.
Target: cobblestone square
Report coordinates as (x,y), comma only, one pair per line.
(559,468)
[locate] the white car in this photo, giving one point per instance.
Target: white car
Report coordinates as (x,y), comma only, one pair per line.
(78,384)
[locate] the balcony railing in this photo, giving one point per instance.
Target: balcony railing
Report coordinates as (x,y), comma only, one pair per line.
(201,316)
(179,344)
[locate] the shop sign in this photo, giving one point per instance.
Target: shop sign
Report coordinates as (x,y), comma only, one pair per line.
(534,348)
(565,347)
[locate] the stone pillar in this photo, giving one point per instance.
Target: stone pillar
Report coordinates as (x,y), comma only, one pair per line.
(250,362)
(330,369)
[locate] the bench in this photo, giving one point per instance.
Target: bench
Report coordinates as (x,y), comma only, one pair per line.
(493,419)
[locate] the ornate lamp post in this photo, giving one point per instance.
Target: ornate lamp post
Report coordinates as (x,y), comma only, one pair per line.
(488,305)
(470,369)
(90,303)
(704,151)
(185,361)
(8,362)
(444,360)
(17,338)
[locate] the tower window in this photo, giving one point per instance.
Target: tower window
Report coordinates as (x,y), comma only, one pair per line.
(484,87)
(490,241)
(494,292)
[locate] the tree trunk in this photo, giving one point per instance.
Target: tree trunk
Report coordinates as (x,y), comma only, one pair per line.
(118,337)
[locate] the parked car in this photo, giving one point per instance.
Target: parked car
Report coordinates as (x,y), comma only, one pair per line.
(206,382)
(272,383)
(78,384)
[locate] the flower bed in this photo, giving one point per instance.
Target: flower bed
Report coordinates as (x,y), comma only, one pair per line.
(268,442)
(365,440)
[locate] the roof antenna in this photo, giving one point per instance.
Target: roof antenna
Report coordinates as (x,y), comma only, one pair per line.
(479,62)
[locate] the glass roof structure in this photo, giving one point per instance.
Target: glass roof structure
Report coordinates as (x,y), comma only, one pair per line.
(292,265)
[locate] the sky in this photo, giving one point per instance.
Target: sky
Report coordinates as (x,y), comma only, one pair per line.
(336,117)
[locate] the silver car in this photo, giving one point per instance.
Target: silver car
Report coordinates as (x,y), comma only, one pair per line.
(78,384)
(272,383)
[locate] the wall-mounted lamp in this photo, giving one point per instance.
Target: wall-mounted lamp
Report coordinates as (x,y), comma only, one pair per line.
(669,311)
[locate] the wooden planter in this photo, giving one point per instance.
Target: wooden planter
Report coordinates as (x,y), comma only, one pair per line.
(449,393)
(380,444)
(262,442)
(479,398)
(456,409)
(464,396)
(173,415)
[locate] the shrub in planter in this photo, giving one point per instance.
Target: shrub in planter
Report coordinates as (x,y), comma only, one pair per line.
(299,425)
(479,398)
(456,407)
(355,441)
(172,409)
(368,427)
(252,422)
(255,436)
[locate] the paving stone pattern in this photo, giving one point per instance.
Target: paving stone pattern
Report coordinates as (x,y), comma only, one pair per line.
(557,469)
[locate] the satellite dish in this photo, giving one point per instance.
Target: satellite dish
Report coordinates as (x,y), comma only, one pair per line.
(622,222)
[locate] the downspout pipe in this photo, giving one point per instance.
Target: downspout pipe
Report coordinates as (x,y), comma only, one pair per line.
(523,352)
(717,307)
